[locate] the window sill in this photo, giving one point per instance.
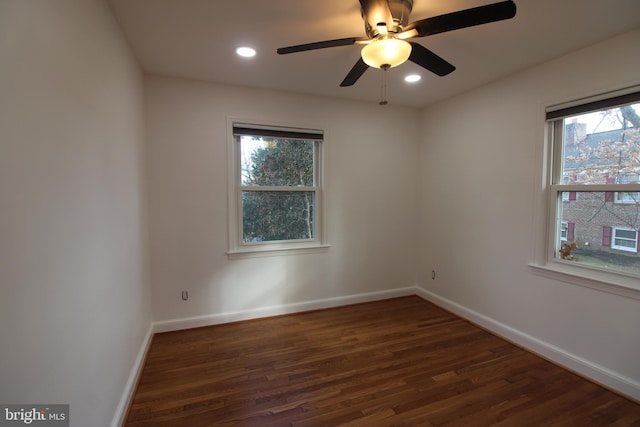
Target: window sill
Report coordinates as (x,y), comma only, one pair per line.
(261,251)
(605,281)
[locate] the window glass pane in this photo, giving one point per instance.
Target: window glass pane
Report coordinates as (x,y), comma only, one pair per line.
(625,243)
(626,234)
(267,161)
(603,233)
(277,215)
(602,147)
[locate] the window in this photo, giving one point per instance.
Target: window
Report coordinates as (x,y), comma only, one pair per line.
(566,196)
(564,229)
(624,239)
(628,197)
(593,184)
(276,193)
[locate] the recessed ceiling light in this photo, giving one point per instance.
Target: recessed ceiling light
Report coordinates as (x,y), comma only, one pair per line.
(246,52)
(412,78)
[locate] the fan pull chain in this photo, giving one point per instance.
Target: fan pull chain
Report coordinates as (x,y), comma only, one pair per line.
(383,85)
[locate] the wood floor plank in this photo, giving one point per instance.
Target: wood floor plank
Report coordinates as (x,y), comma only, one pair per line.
(398,362)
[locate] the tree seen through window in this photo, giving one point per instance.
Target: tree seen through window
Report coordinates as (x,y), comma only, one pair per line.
(279,183)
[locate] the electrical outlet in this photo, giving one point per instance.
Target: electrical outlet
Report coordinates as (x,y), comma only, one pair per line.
(185,295)
(433,275)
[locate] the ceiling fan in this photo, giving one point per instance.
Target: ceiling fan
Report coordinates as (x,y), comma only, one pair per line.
(387,28)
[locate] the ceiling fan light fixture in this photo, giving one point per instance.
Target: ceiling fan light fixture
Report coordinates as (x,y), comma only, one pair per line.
(386,52)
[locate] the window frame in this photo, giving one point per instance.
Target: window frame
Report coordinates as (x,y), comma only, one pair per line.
(546,263)
(237,248)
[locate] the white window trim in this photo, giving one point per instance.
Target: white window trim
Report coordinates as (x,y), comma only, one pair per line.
(236,248)
(544,262)
(614,230)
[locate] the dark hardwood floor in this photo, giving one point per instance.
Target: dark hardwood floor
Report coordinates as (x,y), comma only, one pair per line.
(399,362)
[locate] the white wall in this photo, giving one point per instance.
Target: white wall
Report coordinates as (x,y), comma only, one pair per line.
(482,201)
(370,200)
(74,287)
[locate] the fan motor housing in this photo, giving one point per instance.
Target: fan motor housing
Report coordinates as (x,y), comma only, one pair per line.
(400,11)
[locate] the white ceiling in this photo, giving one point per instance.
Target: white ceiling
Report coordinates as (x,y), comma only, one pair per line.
(196,39)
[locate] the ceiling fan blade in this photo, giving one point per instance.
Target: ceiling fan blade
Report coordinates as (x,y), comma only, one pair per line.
(356,72)
(429,60)
(321,45)
(461,19)
(376,12)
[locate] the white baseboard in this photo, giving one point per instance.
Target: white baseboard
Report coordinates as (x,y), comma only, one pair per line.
(597,373)
(236,316)
(132,381)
